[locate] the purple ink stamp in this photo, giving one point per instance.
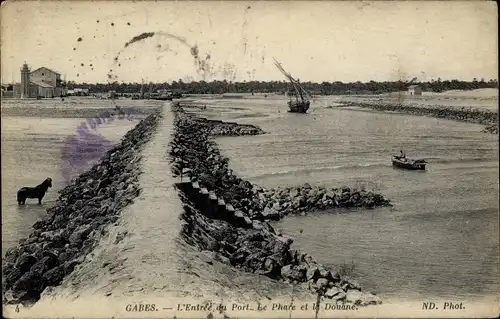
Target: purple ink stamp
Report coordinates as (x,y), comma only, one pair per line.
(88,146)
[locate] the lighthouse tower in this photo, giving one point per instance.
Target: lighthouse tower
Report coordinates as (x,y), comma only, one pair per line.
(25,82)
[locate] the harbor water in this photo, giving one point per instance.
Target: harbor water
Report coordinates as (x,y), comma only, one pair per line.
(440,239)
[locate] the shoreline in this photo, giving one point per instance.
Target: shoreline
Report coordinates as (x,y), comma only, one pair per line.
(81,215)
(467,115)
(228,216)
(74,112)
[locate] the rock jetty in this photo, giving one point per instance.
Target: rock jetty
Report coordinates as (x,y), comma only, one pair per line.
(258,249)
(195,155)
(72,227)
(235,231)
(463,114)
(220,128)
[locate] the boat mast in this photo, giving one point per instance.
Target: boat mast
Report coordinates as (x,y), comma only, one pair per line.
(299,90)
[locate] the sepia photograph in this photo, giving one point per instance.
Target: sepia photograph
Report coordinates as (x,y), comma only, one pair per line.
(250,159)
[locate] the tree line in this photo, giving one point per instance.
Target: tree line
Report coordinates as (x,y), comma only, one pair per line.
(324,88)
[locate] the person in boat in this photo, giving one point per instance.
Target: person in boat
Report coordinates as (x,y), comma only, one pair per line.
(403,155)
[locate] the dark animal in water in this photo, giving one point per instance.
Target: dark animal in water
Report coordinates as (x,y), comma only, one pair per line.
(34,192)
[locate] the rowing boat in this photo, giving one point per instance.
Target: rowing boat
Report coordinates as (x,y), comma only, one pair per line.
(408,163)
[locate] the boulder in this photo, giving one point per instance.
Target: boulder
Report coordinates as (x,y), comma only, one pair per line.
(270,214)
(312,273)
(323,273)
(11,255)
(29,282)
(320,285)
(10,276)
(270,268)
(25,262)
(335,293)
(54,276)
(40,224)
(347,283)
(44,264)
(334,276)
(79,235)
(291,273)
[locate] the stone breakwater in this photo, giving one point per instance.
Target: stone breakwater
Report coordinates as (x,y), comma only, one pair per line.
(469,115)
(72,227)
(195,155)
(256,248)
(220,128)
(226,215)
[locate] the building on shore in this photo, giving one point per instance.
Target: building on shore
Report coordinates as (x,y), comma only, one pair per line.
(414,90)
(40,83)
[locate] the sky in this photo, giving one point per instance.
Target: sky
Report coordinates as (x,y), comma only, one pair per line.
(237,41)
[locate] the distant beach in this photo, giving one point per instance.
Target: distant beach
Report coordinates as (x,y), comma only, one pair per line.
(486,99)
(71,107)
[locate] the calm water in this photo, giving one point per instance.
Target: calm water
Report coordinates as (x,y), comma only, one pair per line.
(441,237)
(31,152)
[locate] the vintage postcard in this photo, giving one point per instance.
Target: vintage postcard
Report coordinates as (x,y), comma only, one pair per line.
(250,159)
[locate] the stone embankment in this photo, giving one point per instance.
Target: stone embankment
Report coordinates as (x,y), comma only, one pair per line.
(72,227)
(220,128)
(227,216)
(255,247)
(469,115)
(194,154)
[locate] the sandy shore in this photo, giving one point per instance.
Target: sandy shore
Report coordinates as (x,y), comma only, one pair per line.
(76,107)
(81,112)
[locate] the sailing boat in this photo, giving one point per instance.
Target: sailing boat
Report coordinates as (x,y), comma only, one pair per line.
(296,106)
